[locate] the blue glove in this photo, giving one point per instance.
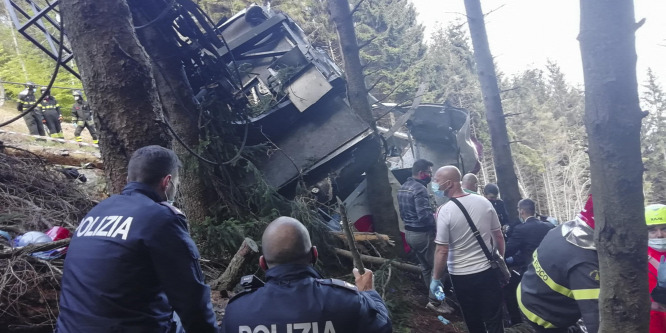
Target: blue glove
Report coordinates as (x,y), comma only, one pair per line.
(509,260)
(437,288)
(661,273)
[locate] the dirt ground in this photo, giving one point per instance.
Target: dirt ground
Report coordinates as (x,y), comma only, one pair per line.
(8,111)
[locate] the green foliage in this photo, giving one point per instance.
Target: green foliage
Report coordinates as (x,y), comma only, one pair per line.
(394,55)
(653,140)
(23,62)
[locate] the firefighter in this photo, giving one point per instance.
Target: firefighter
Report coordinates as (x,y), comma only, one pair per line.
(655,218)
(82,117)
(562,283)
(52,116)
(33,119)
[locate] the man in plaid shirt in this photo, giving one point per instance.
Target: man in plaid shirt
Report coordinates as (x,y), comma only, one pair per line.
(416,212)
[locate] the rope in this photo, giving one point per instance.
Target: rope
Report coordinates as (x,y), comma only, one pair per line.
(173,132)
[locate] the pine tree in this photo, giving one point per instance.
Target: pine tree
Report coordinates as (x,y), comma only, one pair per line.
(653,140)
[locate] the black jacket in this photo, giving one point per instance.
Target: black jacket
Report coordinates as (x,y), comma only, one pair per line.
(131,263)
(296,299)
(500,209)
(524,239)
(561,285)
(81,111)
(49,103)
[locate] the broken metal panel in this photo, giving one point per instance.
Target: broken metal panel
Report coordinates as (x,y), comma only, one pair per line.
(313,137)
(440,134)
(308,88)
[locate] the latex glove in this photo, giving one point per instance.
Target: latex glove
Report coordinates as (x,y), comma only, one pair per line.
(661,273)
(364,282)
(509,260)
(437,288)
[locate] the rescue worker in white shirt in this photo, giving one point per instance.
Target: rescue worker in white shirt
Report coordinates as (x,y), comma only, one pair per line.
(561,285)
(52,116)
(474,282)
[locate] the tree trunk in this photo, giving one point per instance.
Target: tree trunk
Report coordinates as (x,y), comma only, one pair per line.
(380,199)
(117,75)
(177,100)
(506,176)
(613,123)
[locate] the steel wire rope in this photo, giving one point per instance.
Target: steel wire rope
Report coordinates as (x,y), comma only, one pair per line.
(48,87)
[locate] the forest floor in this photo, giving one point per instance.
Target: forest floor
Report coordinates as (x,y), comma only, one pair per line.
(8,111)
(413,317)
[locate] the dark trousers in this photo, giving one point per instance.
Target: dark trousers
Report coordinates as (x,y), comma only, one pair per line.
(80,125)
(510,299)
(539,329)
(34,123)
(52,122)
(480,299)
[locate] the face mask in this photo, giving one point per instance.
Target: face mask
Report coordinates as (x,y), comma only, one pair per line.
(427,179)
(658,244)
(77,98)
(435,189)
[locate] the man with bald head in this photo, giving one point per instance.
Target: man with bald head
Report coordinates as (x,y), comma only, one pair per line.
(470,183)
(475,284)
(296,298)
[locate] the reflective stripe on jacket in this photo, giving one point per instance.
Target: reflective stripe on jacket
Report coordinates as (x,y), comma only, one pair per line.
(561,285)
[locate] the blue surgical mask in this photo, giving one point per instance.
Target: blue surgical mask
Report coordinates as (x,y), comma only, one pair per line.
(435,188)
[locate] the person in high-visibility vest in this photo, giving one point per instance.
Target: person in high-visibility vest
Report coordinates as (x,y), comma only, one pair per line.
(52,116)
(561,285)
(33,119)
(82,117)
(655,218)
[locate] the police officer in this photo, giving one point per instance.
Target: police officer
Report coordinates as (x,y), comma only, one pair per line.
(52,116)
(131,265)
(562,283)
(33,119)
(296,299)
(82,116)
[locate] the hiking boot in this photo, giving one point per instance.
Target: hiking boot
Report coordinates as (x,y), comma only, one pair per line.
(441,308)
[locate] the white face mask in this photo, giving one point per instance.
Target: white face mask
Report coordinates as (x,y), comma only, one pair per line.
(658,244)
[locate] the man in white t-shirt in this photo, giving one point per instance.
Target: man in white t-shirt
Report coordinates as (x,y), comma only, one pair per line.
(475,284)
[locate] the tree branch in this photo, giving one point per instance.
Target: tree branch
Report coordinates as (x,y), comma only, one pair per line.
(356,7)
(367,42)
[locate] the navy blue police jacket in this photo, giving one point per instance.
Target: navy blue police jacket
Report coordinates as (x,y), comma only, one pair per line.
(130,264)
(296,299)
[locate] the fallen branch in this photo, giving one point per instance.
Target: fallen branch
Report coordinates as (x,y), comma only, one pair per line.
(356,256)
(32,248)
(232,274)
(365,236)
(381,261)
